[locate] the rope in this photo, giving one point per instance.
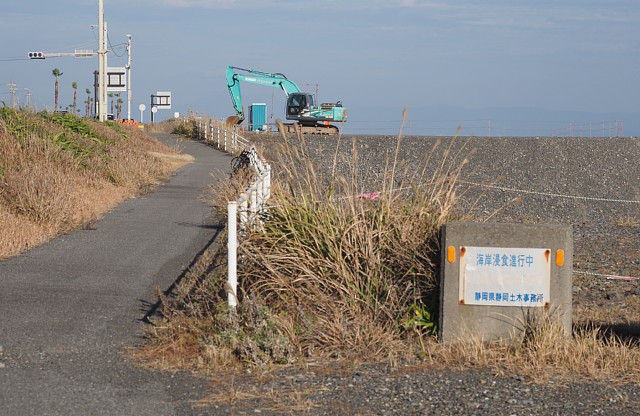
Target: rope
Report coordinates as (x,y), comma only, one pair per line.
(607,276)
(550,194)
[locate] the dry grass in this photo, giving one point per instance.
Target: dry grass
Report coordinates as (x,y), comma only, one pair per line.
(546,353)
(329,274)
(54,178)
(627,222)
(288,399)
(348,272)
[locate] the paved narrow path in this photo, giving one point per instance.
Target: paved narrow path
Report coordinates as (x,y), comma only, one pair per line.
(70,307)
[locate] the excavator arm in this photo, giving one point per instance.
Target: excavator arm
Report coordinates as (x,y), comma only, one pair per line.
(234,76)
(300,105)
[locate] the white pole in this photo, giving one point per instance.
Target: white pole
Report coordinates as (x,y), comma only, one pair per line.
(102,63)
(232,249)
(129,78)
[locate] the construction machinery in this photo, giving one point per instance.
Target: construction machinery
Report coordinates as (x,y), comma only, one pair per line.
(300,106)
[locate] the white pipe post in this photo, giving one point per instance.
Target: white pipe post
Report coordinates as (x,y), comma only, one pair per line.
(235,141)
(265,191)
(254,202)
(128,68)
(244,208)
(232,250)
(102,63)
(268,181)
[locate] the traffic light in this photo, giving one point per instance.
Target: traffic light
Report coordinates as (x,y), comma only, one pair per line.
(36,55)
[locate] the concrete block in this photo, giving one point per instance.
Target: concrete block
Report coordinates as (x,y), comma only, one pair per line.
(493,275)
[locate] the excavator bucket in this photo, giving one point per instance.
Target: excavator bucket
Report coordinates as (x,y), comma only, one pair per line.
(233,120)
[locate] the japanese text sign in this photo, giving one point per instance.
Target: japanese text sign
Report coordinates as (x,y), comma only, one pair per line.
(505,276)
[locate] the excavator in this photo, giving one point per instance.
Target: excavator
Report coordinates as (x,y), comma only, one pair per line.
(300,105)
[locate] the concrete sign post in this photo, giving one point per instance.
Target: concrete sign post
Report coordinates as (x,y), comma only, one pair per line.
(493,275)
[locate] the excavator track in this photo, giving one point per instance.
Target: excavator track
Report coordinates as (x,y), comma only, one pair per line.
(314,129)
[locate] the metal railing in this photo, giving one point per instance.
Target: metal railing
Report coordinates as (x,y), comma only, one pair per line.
(251,205)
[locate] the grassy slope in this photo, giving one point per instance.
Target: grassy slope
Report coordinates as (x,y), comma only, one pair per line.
(60,172)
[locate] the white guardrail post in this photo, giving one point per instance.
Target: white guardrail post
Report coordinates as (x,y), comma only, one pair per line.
(232,249)
(249,205)
(243,206)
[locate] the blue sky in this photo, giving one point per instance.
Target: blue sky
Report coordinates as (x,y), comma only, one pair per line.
(495,67)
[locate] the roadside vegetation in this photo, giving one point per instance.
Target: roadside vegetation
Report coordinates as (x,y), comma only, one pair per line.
(332,274)
(335,274)
(59,172)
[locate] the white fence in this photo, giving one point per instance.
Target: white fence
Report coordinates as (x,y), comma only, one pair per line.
(215,132)
(251,205)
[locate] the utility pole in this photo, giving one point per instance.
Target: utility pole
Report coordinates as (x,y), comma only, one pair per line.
(102,63)
(128,68)
(12,92)
(28,99)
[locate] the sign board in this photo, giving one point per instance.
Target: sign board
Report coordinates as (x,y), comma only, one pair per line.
(116,79)
(494,276)
(161,100)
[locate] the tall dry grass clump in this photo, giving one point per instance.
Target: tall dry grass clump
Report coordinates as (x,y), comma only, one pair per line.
(331,272)
(58,172)
(352,272)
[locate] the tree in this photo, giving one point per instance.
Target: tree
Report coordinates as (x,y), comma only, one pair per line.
(56,73)
(119,105)
(88,102)
(111,96)
(74,85)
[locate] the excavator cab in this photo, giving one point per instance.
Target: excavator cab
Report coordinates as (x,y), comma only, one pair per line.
(297,103)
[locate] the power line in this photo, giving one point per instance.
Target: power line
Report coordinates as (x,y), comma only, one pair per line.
(121,45)
(13,59)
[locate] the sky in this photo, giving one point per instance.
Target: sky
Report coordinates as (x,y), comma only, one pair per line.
(492,67)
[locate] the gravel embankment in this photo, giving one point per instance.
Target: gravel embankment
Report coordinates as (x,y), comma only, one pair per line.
(589,183)
(380,390)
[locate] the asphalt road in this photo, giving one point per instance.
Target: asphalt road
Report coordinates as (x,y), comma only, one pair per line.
(68,309)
